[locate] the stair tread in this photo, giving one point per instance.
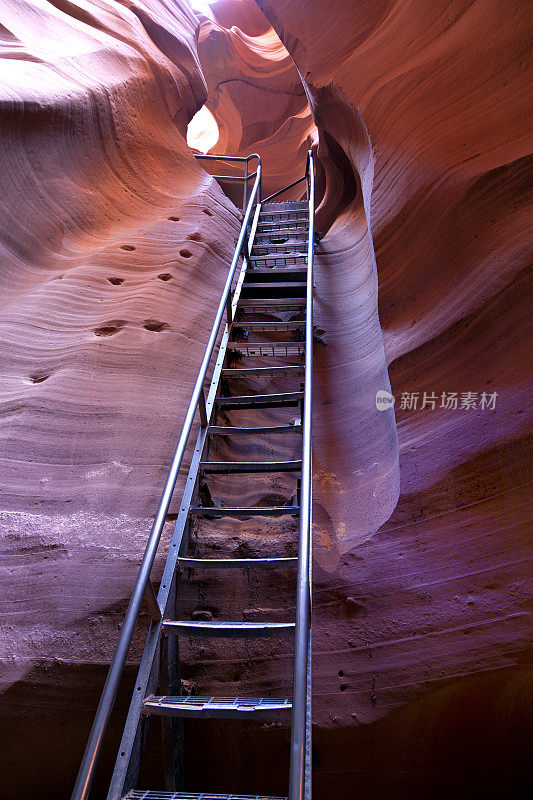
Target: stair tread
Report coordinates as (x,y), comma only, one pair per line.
(251,466)
(244,511)
(212,700)
(267,349)
(147,794)
(302,223)
(282,254)
(237,563)
(228,629)
(246,400)
(278,245)
(265,327)
(275,284)
(276,273)
(234,430)
(283,303)
(296,237)
(288,205)
(289,369)
(212,707)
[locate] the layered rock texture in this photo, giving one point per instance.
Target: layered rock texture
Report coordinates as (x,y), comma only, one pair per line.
(115,245)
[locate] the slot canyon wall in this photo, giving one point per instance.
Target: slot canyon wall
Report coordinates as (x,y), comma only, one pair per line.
(115,246)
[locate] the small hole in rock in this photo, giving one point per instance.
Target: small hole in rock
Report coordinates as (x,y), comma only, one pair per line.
(174,219)
(208,212)
(343,687)
(38,378)
(195,237)
(110,328)
(341,673)
(155,325)
(127,247)
(116,281)
(185,253)
(165,276)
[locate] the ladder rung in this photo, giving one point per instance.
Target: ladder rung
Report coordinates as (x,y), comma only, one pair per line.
(297,224)
(244,511)
(261,372)
(255,349)
(212,467)
(283,254)
(285,206)
(269,327)
(273,290)
(278,245)
(283,212)
(144,794)
(263,305)
(212,707)
(275,273)
(297,236)
(260,400)
(231,630)
(236,563)
(232,430)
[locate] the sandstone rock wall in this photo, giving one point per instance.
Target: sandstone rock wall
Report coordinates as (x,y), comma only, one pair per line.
(115,245)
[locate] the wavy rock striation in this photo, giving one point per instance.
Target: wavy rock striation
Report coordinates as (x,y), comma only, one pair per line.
(111,265)
(438,596)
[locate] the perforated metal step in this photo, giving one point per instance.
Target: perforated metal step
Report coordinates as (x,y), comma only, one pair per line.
(264,430)
(268,306)
(264,372)
(269,327)
(274,289)
(244,511)
(233,430)
(278,247)
(245,401)
(212,467)
(227,630)
(216,707)
(236,563)
(276,349)
(284,206)
(280,274)
(143,794)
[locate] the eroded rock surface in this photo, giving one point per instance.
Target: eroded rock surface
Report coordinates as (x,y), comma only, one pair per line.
(115,245)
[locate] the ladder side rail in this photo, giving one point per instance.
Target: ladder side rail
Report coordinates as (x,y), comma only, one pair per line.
(123,770)
(300,718)
(107,699)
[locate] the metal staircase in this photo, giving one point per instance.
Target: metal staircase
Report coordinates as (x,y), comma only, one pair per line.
(263,362)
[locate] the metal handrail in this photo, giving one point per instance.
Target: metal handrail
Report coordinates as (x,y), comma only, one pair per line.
(300,719)
(235,178)
(143,583)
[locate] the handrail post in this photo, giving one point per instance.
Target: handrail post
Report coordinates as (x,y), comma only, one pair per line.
(245,185)
(299,721)
(203,410)
(229,310)
(107,699)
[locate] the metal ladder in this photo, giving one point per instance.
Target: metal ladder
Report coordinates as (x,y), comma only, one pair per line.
(268,318)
